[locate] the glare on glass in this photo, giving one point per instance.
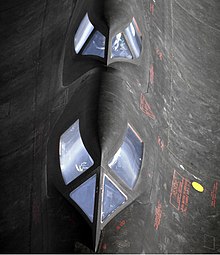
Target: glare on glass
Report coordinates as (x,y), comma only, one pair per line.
(74,158)
(84,196)
(120,48)
(134,37)
(96,45)
(126,163)
(112,198)
(83,32)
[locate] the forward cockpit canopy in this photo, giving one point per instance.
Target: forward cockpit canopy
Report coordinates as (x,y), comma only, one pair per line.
(118,181)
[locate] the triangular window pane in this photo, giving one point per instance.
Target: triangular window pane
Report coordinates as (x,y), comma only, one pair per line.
(120,48)
(112,198)
(74,158)
(126,163)
(84,196)
(96,45)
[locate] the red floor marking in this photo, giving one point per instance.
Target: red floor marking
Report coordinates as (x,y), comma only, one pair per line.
(158,215)
(159,54)
(152,8)
(145,107)
(151,74)
(214,193)
(185,196)
(121,224)
(136,25)
(160,143)
(104,246)
(179,195)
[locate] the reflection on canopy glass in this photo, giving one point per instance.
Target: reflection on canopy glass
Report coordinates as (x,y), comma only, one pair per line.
(134,37)
(126,163)
(129,46)
(96,45)
(83,32)
(120,48)
(84,196)
(74,158)
(112,198)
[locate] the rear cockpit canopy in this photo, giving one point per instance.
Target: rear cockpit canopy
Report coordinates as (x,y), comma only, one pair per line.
(126,44)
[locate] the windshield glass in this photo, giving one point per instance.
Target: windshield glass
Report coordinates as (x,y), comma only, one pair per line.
(126,163)
(74,158)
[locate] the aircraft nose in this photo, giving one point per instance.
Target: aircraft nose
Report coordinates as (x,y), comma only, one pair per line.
(112,117)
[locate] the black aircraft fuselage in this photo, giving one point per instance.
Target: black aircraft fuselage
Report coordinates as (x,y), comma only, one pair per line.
(110,126)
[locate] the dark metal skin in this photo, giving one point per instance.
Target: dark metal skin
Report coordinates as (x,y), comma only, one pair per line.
(169,95)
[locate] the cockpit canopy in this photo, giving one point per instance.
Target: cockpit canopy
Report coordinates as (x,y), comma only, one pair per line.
(125,166)
(126,44)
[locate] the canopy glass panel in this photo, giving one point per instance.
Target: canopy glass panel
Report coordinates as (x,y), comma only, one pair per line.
(83,32)
(112,198)
(74,158)
(126,163)
(84,196)
(96,45)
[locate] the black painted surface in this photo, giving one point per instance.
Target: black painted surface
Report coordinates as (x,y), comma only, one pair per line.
(178,74)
